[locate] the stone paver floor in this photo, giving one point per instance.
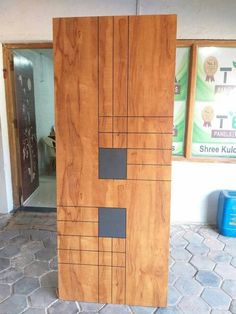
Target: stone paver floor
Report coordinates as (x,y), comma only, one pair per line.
(202,277)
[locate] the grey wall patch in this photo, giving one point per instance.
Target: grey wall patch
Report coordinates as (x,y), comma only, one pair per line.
(112,222)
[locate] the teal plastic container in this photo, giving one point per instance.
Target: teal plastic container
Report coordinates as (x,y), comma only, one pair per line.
(226,216)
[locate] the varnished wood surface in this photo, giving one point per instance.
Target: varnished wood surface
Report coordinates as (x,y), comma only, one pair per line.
(77,242)
(114,83)
(71,276)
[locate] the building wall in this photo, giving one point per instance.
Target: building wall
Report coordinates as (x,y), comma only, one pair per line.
(195,186)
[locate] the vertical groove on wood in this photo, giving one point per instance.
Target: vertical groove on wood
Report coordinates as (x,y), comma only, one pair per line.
(105,66)
(120,65)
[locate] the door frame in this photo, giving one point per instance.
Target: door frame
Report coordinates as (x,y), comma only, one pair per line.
(11,114)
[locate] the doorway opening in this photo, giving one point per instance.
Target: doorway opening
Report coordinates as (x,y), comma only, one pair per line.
(30,101)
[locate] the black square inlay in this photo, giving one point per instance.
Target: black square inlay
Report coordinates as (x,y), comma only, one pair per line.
(112,163)
(112,222)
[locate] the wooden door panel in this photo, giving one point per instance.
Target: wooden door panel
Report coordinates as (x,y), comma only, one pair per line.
(114,86)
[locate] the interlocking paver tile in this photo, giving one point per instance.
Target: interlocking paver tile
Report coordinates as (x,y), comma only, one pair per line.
(202,262)
(220,312)
(226,271)
(191,304)
(10,275)
(88,306)
(230,249)
(49,279)
(143,309)
(13,305)
(173,296)
(214,244)
(63,307)
(208,232)
(115,309)
(180,254)
(5,291)
(197,249)
(32,310)
(46,254)
(183,269)
(4,263)
(178,242)
(188,286)
(36,269)
(233,262)
(32,247)
(208,278)
(172,277)
(10,251)
(233,307)
(216,298)
(229,286)
(25,285)
(18,240)
(219,257)
(169,310)
(22,260)
(193,237)
(42,297)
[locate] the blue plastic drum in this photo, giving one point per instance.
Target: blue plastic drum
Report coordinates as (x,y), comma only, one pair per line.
(226,217)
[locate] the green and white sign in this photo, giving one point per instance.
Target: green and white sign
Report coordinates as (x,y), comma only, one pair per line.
(181,94)
(214,127)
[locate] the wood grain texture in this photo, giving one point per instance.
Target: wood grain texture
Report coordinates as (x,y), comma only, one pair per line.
(147,240)
(86,51)
(70,277)
(105,140)
(105,244)
(118,285)
(78,257)
(105,124)
(77,214)
(77,243)
(118,245)
(105,289)
(149,157)
(77,228)
(120,124)
(158,141)
(118,259)
(150,124)
(149,172)
(119,140)
(75,49)
(151,65)
(120,61)
(105,258)
(105,29)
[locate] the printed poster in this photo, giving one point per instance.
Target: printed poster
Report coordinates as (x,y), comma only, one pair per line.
(181,94)
(214,127)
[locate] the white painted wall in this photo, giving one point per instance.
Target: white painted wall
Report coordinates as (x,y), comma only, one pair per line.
(195,186)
